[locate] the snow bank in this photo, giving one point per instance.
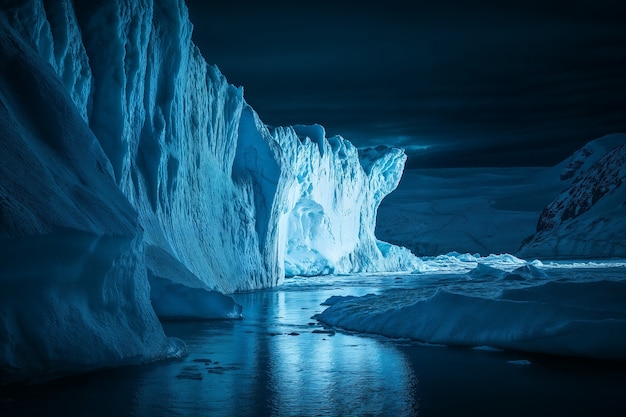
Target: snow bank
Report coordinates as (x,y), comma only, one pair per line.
(570,319)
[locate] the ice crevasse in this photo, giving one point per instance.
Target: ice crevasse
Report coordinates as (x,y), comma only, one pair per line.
(134,178)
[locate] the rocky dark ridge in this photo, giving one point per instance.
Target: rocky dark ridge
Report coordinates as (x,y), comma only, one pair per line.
(603,178)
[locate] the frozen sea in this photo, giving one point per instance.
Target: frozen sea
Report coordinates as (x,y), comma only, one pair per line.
(278,361)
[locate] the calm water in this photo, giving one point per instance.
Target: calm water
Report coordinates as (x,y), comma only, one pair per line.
(272,363)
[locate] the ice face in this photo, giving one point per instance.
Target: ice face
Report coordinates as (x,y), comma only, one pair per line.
(53,31)
(332,199)
(74,294)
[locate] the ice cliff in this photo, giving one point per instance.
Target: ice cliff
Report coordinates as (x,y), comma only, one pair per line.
(334,191)
(588,218)
(73,287)
(132,169)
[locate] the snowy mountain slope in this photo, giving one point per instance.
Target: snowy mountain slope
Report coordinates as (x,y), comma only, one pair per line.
(73,288)
(584,158)
(587,219)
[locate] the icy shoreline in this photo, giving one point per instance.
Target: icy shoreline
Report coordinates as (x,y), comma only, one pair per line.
(531,309)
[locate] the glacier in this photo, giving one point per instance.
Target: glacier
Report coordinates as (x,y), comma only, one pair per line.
(136,181)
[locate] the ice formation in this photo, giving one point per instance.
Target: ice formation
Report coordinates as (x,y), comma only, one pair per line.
(210,182)
(333,195)
(125,146)
(535,313)
(73,287)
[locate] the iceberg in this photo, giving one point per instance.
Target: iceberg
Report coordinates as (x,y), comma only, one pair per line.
(333,197)
(136,182)
(209,181)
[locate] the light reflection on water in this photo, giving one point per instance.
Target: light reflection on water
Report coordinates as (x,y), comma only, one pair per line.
(256,367)
(335,374)
(267,371)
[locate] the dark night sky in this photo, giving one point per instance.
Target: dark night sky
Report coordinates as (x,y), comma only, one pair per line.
(456,83)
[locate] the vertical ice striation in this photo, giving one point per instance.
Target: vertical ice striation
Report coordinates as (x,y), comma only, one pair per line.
(169,124)
(333,195)
(74,294)
(51,28)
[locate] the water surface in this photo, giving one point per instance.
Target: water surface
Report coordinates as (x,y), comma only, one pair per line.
(278,361)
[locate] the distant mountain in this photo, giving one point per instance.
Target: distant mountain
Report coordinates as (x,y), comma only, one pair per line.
(588,218)
(584,158)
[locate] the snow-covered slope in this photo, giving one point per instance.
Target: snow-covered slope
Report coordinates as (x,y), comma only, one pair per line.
(494,210)
(584,158)
(588,218)
(128,158)
(476,210)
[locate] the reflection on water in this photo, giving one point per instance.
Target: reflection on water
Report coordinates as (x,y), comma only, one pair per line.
(273,363)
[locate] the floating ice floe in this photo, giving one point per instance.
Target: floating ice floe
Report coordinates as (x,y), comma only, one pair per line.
(582,319)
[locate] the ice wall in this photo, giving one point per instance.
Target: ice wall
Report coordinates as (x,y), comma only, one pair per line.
(330,209)
(174,141)
(73,288)
(168,124)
